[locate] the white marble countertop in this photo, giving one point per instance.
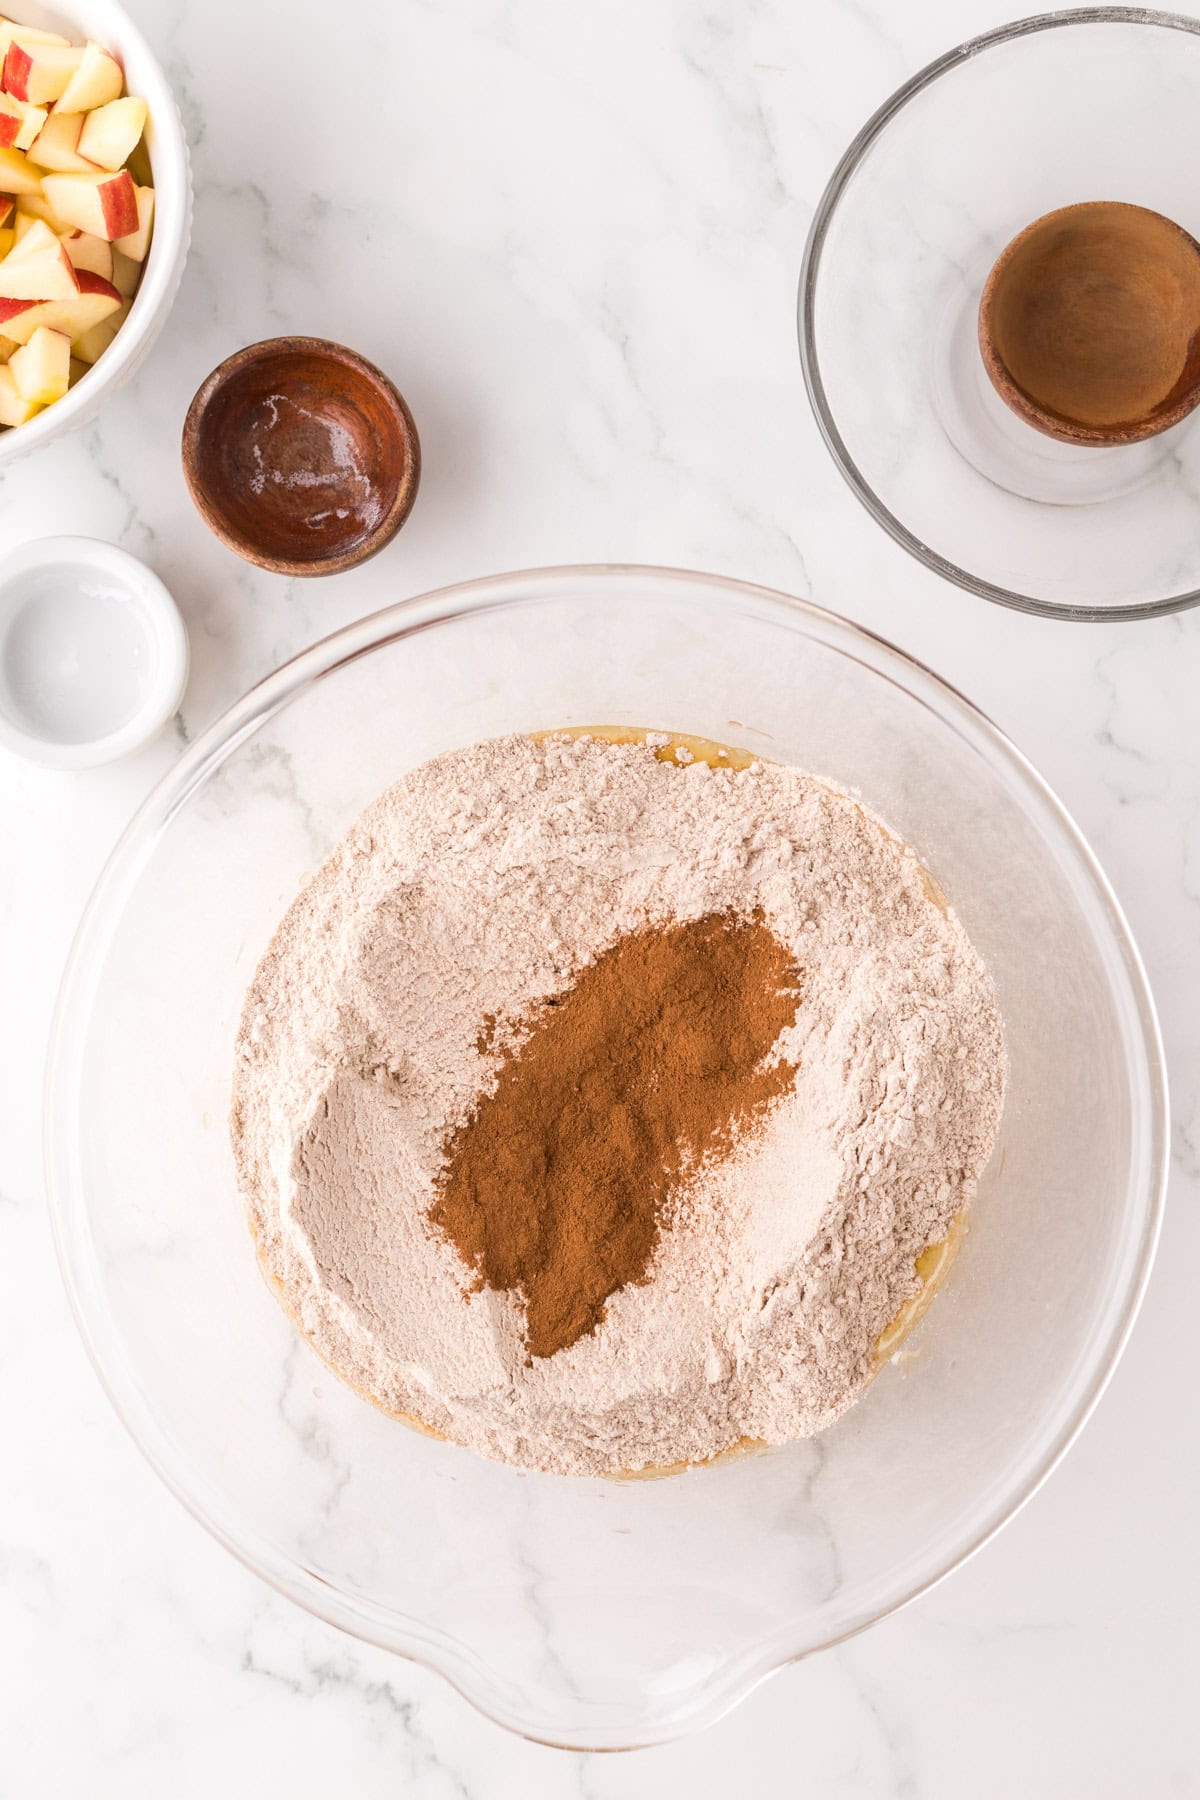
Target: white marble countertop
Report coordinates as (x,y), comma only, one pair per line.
(572,235)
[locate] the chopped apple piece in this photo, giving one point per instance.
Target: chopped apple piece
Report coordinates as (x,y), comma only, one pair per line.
(76,212)
(88,252)
(38,268)
(90,346)
(96,81)
(35,118)
(22,226)
(56,146)
(19,319)
(136,243)
(17,174)
(34,234)
(110,132)
(37,278)
(42,367)
(35,206)
(96,300)
(104,204)
(19,122)
(126,273)
(139,164)
(25,34)
(39,73)
(14,408)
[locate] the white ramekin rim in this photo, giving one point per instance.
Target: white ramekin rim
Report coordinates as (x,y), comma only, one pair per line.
(162,620)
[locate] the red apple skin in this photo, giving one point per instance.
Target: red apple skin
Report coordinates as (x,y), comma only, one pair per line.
(91,283)
(80,251)
(10,125)
(17,64)
(10,308)
(25,315)
(120,205)
(114,194)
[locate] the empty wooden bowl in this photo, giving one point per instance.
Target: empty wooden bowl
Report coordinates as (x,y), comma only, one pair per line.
(301,455)
(1089,325)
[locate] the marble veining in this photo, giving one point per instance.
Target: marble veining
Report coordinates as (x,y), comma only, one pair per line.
(573,239)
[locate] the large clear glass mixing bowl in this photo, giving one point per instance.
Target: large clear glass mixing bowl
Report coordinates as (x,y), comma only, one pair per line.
(595,1613)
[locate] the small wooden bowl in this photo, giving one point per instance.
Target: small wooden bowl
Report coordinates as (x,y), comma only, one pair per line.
(1089,325)
(301,455)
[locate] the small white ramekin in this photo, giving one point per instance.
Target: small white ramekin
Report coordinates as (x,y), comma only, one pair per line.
(110,25)
(93,652)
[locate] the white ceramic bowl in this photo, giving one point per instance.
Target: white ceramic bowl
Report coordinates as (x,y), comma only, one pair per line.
(93,652)
(166,141)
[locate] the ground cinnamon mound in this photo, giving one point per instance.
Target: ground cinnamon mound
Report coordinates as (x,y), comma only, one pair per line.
(658,1057)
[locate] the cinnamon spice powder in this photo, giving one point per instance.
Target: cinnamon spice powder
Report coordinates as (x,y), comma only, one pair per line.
(659,1057)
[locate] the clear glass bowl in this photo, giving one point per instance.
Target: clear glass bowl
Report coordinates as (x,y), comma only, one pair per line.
(1093,104)
(595,1613)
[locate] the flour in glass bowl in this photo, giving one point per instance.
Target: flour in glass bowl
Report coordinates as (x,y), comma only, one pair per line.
(465,901)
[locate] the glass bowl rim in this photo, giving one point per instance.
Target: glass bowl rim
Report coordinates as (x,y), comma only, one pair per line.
(406,1635)
(847,167)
